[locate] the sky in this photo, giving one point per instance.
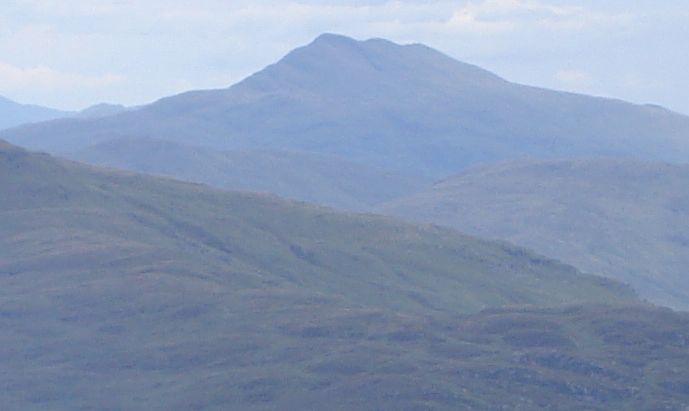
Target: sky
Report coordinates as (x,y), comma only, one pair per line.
(70,54)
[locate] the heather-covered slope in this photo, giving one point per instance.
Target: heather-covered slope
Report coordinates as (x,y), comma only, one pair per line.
(399,107)
(627,220)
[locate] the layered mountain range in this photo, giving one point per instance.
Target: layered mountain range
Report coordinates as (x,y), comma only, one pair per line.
(540,225)
(13,114)
(126,290)
(375,102)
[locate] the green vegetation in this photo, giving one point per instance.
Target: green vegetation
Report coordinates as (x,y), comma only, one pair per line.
(97,221)
(125,291)
(626,220)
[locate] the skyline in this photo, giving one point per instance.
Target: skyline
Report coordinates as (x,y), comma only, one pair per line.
(84,53)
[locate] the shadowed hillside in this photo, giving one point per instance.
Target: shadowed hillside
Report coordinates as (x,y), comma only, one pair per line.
(315,178)
(13,114)
(378,103)
(624,219)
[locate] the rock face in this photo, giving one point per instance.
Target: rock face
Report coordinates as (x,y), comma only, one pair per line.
(382,104)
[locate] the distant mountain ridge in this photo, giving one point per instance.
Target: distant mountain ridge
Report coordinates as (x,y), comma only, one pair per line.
(625,219)
(316,178)
(13,114)
(378,103)
(101,110)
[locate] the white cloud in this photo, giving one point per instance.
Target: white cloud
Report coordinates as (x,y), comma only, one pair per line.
(44,78)
(509,15)
(574,79)
(466,19)
(491,8)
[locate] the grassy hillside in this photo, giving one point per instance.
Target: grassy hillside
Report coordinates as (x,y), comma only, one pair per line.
(270,350)
(624,219)
(382,104)
(315,178)
(83,219)
(121,291)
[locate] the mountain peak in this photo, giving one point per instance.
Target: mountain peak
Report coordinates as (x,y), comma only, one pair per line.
(101,110)
(333,38)
(340,40)
(340,65)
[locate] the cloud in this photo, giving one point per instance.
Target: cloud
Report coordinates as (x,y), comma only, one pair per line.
(574,79)
(510,15)
(467,19)
(46,79)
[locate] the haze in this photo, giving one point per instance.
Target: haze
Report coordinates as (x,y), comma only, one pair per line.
(130,52)
(352,206)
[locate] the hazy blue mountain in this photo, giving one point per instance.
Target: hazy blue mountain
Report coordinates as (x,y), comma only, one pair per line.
(101,110)
(316,178)
(13,114)
(375,102)
(628,220)
(124,291)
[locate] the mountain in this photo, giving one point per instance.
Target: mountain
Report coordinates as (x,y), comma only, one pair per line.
(399,107)
(83,217)
(13,114)
(315,178)
(628,220)
(101,110)
(121,290)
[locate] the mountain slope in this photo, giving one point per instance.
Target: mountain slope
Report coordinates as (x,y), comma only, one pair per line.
(13,114)
(101,110)
(122,291)
(301,176)
(300,356)
(400,107)
(263,240)
(625,219)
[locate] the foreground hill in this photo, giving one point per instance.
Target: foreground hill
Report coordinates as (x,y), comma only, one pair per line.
(315,178)
(13,114)
(82,218)
(625,219)
(126,291)
(294,354)
(382,104)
